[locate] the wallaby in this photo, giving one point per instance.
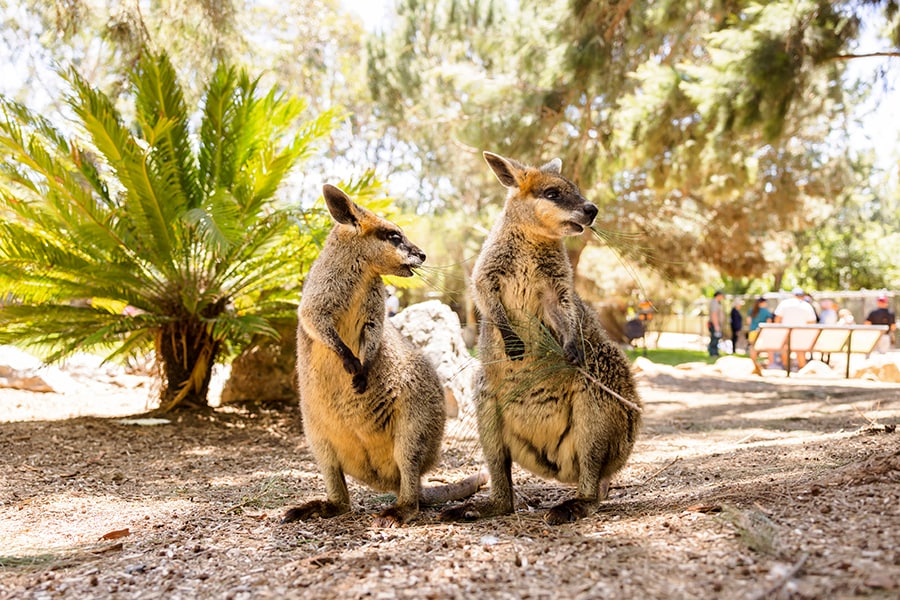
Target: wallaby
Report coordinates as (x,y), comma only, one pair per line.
(555,395)
(373,406)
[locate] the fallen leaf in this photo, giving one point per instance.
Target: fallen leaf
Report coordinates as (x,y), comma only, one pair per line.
(114,535)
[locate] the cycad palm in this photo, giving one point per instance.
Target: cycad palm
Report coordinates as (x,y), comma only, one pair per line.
(180,228)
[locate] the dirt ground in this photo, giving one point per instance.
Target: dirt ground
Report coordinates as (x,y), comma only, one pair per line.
(738,488)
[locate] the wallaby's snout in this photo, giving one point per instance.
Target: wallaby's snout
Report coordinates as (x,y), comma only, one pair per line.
(590,211)
(583,217)
(416,256)
(412,258)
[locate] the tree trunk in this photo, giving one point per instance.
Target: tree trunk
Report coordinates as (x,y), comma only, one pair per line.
(187,353)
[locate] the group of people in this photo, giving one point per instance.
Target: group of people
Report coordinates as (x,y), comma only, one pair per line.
(796,310)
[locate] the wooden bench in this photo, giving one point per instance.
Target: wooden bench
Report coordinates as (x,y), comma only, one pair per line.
(827,339)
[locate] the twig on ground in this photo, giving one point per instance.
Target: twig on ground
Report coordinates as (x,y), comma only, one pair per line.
(872,422)
(657,472)
(782,581)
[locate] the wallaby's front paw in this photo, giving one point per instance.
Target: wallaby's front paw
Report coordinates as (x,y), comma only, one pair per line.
(360,382)
(574,353)
(513,345)
(351,364)
(515,350)
(316,508)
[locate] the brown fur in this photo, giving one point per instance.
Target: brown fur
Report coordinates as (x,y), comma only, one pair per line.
(544,397)
(372,404)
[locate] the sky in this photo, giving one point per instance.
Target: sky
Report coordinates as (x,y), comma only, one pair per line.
(374,13)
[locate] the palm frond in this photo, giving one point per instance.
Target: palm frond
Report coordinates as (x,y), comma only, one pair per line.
(146,212)
(160,99)
(218,131)
(153,234)
(68,329)
(218,221)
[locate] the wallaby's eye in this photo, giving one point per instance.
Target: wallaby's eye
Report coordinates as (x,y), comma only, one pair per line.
(391,236)
(552,193)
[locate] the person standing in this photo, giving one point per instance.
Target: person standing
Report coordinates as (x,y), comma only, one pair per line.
(829,314)
(716,320)
(883,316)
(845,317)
(760,313)
(795,311)
(737,323)
(392,303)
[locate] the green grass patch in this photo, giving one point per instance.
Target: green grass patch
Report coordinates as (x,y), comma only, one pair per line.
(672,356)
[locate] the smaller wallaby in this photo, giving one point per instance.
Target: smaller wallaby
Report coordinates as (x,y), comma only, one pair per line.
(555,395)
(373,406)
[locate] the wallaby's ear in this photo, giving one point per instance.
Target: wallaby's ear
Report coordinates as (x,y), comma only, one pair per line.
(504,168)
(340,205)
(554,167)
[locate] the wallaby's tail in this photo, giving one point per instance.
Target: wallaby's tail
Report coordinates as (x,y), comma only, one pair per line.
(441,494)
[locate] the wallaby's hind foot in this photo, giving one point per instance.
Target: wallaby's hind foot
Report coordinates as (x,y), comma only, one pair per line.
(604,488)
(571,510)
(395,516)
(317,508)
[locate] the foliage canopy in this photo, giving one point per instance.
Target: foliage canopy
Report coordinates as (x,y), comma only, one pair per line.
(704,129)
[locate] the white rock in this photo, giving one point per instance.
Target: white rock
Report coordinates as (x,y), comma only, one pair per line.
(820,369)
(434,328)
(18,360)
(642,364)
(734,366)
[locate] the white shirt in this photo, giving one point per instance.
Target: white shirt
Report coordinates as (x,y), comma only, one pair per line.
(392,304)
(795,311)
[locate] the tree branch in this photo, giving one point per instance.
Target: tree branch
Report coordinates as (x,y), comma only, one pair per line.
(869,55)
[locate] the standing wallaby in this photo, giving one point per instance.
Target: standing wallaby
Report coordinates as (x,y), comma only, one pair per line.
(555,395)
(373,406)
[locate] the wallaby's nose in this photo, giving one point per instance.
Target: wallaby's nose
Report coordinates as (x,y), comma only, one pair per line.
(418,254)
(591,210)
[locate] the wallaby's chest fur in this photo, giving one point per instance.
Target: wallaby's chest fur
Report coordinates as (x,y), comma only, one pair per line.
(527,277)
(360,428)
(541,399)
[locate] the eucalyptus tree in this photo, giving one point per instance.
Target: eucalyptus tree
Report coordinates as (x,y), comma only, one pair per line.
(163,232)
